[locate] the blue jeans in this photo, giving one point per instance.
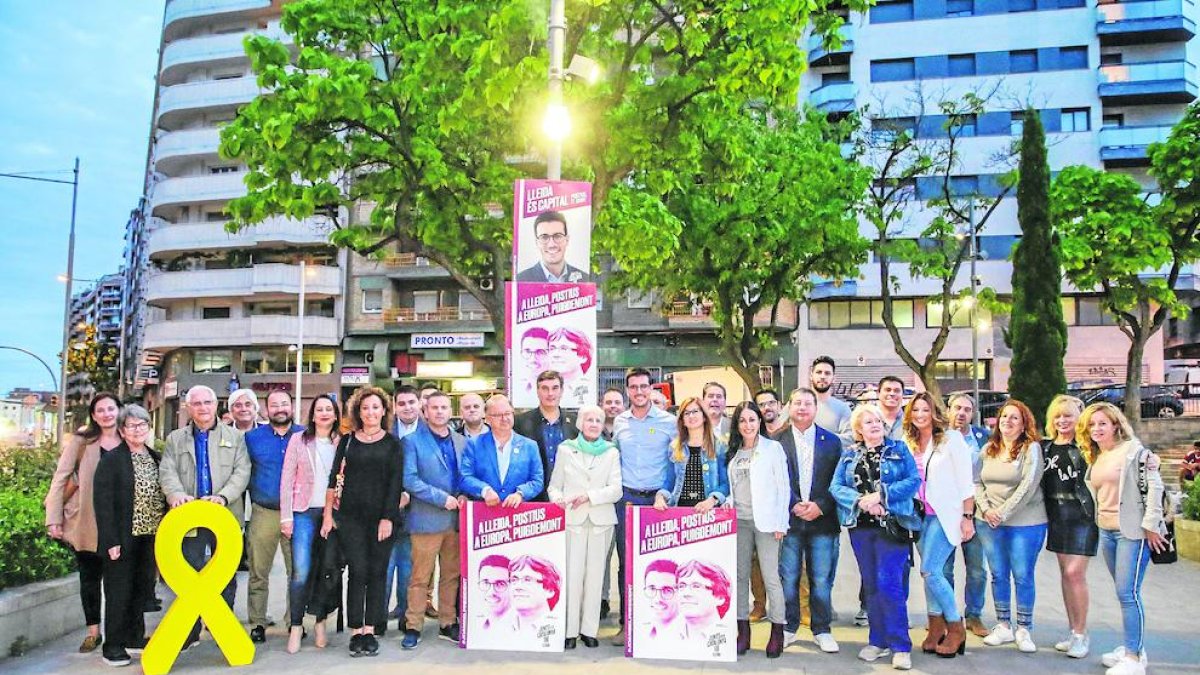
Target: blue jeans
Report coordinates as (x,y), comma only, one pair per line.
(976,562)
(937,554)
(627,497)
(883,563)
(1127,560)
(1012,553)
(817,554)
(305,527)
(399,569)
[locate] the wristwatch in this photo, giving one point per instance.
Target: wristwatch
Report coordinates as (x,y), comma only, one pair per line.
(968,516)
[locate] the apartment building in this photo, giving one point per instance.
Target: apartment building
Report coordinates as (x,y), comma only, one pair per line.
(1107,79)
(216,308)
(98,307)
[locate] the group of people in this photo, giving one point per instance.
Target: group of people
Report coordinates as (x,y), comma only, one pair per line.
(381,491)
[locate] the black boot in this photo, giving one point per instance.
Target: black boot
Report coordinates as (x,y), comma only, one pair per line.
(743,642)
(775,644)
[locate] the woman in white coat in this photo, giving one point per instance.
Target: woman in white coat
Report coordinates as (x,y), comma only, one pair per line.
(948,493)
(587,483)
(760,493)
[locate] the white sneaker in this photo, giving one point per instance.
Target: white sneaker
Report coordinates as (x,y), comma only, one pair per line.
(872,653)
(826,643)
(1024,641)
(1079,647)
(1001,634)
(1110,659)
(788,638)
(902,661)
(860,619)
(1128,667)
(1064,644)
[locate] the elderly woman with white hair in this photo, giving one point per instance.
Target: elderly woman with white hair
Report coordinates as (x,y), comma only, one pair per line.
(587,483)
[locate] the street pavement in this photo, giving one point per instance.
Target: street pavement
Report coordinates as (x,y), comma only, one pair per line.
(1171,592)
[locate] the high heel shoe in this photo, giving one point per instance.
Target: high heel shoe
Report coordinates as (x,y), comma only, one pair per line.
(955,642)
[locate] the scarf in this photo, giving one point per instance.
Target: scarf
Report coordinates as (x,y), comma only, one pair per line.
(594,448)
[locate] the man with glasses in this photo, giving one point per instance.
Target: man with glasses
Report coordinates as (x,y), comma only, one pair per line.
(494,582)
(535,347)
(643,435)
(550,231)
(501,467)
(660,588)
(768,403)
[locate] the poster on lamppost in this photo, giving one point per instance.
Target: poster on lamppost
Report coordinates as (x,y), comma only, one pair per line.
(681,584)
(552,231)
(513,582)
(552,327)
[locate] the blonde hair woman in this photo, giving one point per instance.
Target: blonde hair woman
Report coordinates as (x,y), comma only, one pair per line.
(1127,488)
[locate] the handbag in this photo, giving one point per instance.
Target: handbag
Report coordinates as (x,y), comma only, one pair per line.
(340,482)
(1170,554)
(72,485)
(901,534)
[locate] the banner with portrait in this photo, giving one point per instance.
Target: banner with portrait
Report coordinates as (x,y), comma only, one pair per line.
(552,231)
(552,327)
(681,584)
(514,590)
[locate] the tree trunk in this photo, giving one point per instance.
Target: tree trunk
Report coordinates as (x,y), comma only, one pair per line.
(930,382)
(1133,379)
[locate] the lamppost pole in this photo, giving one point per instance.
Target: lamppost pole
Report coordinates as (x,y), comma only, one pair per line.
(974,249)
(66,340)
(300,339)
(558,39)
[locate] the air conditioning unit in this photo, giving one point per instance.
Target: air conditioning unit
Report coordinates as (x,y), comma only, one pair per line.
(487,284)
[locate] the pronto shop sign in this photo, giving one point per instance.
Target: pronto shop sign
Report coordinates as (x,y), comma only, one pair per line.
(446,341)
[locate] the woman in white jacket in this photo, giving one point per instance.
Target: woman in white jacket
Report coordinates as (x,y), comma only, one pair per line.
(948,494)
(586,482)
(760,493)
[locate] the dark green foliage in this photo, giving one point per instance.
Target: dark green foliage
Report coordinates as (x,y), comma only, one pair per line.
(27,554)
(1037,333)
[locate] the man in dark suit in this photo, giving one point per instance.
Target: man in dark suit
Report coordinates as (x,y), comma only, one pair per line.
(501,467)
(812,542)
(550,231)
(548,424)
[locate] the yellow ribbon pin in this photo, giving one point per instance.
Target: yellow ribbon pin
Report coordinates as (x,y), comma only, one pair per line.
(198,594)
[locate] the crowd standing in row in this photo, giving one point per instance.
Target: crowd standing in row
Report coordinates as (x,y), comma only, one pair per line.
(912,485)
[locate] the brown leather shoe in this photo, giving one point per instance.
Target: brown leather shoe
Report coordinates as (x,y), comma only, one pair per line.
(758,613)
(955,642)
(937,631)
(90,644)
(975,626)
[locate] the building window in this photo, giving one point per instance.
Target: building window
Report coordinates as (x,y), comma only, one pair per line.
(1068,4)
(893,70)
(272,309)
(372,301)
(214,313)
(212,360)
(261,361)
(640,300)
(1016,123)
(891,127)
(996,246)
(1116,121)
(317,361)
(961,186)
(966,125)
(961,317)
(835,77)
(319,308)
(1023,61)
(1075,119)
(1068,310)
(1090,312)
(962,65)
(837,314)
(960,370)
(1073,57)
(1112,59)
(960,7)
(222,169)
(1022,5)
(891,12)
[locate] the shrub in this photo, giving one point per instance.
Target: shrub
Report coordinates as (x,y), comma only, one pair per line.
(1191,502)
(28,469)
(26,553)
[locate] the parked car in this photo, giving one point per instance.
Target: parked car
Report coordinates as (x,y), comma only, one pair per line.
(990,402)
(1158,400)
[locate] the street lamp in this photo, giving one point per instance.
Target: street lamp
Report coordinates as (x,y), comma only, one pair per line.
(66,324)
(557,123)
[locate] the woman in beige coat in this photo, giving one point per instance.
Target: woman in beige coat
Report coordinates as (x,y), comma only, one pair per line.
(586,482)
(69,514)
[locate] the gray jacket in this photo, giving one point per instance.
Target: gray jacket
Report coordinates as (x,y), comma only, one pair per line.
(228,460)
(1136,514)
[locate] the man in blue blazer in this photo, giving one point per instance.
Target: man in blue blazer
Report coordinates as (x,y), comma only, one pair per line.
(500,466)
(432,456)
(812,541)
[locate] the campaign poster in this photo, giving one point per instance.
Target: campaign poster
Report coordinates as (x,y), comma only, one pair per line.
(514,590)
(552,231)
(552,327)
(681,584)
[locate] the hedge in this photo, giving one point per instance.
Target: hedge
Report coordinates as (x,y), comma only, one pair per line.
(26,553)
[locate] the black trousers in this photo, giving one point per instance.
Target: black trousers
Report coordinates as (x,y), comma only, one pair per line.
(197,551)
(127,586)
(366,560)
(91,572)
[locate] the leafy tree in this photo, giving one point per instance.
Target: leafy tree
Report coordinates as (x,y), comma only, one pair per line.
(1117,241)
(771,206)
(423,111)
(95,359)
(924,241)
(1037,333)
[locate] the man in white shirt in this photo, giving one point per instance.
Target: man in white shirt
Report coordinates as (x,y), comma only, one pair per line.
(833,414)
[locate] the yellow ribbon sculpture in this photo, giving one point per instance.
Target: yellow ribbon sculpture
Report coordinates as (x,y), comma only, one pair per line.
(198,594)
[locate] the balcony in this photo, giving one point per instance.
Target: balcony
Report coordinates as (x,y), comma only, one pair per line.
(219,187)
(1153,21)
(173,149)
(212,51)
(167,239)
(820,55)
(1126,146)
(834,98)
(267,278)
(413,266)
(1155,82)
(245,331)
(685,314)
(447,317)
(179,15)
(175,101)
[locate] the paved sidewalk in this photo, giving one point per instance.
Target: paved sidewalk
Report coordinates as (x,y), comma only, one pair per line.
(1172,596)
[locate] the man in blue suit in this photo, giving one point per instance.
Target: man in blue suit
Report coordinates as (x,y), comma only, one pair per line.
(812,542)
(962,413)
(500,466)
(432,460)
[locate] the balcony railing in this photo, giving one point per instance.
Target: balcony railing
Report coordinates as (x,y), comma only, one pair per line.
(163,287)
(178,10)
(1152,20)
(251,330)
(407,260)
(207,49)
(818,54)
(194,189)
(409,314)
(166,238)
(1152,82)
(836,97)
(204,95)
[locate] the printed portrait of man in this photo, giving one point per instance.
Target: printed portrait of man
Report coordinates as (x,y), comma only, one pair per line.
(551,236)
(494,584)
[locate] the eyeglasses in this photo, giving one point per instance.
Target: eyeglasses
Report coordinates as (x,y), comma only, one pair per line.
(500,585)
(562,348)
(637,387)
(137,426)
(528,580)
(694,586)
(557,238)
(692,411)
(665,592)
(503,414)
(528,353)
